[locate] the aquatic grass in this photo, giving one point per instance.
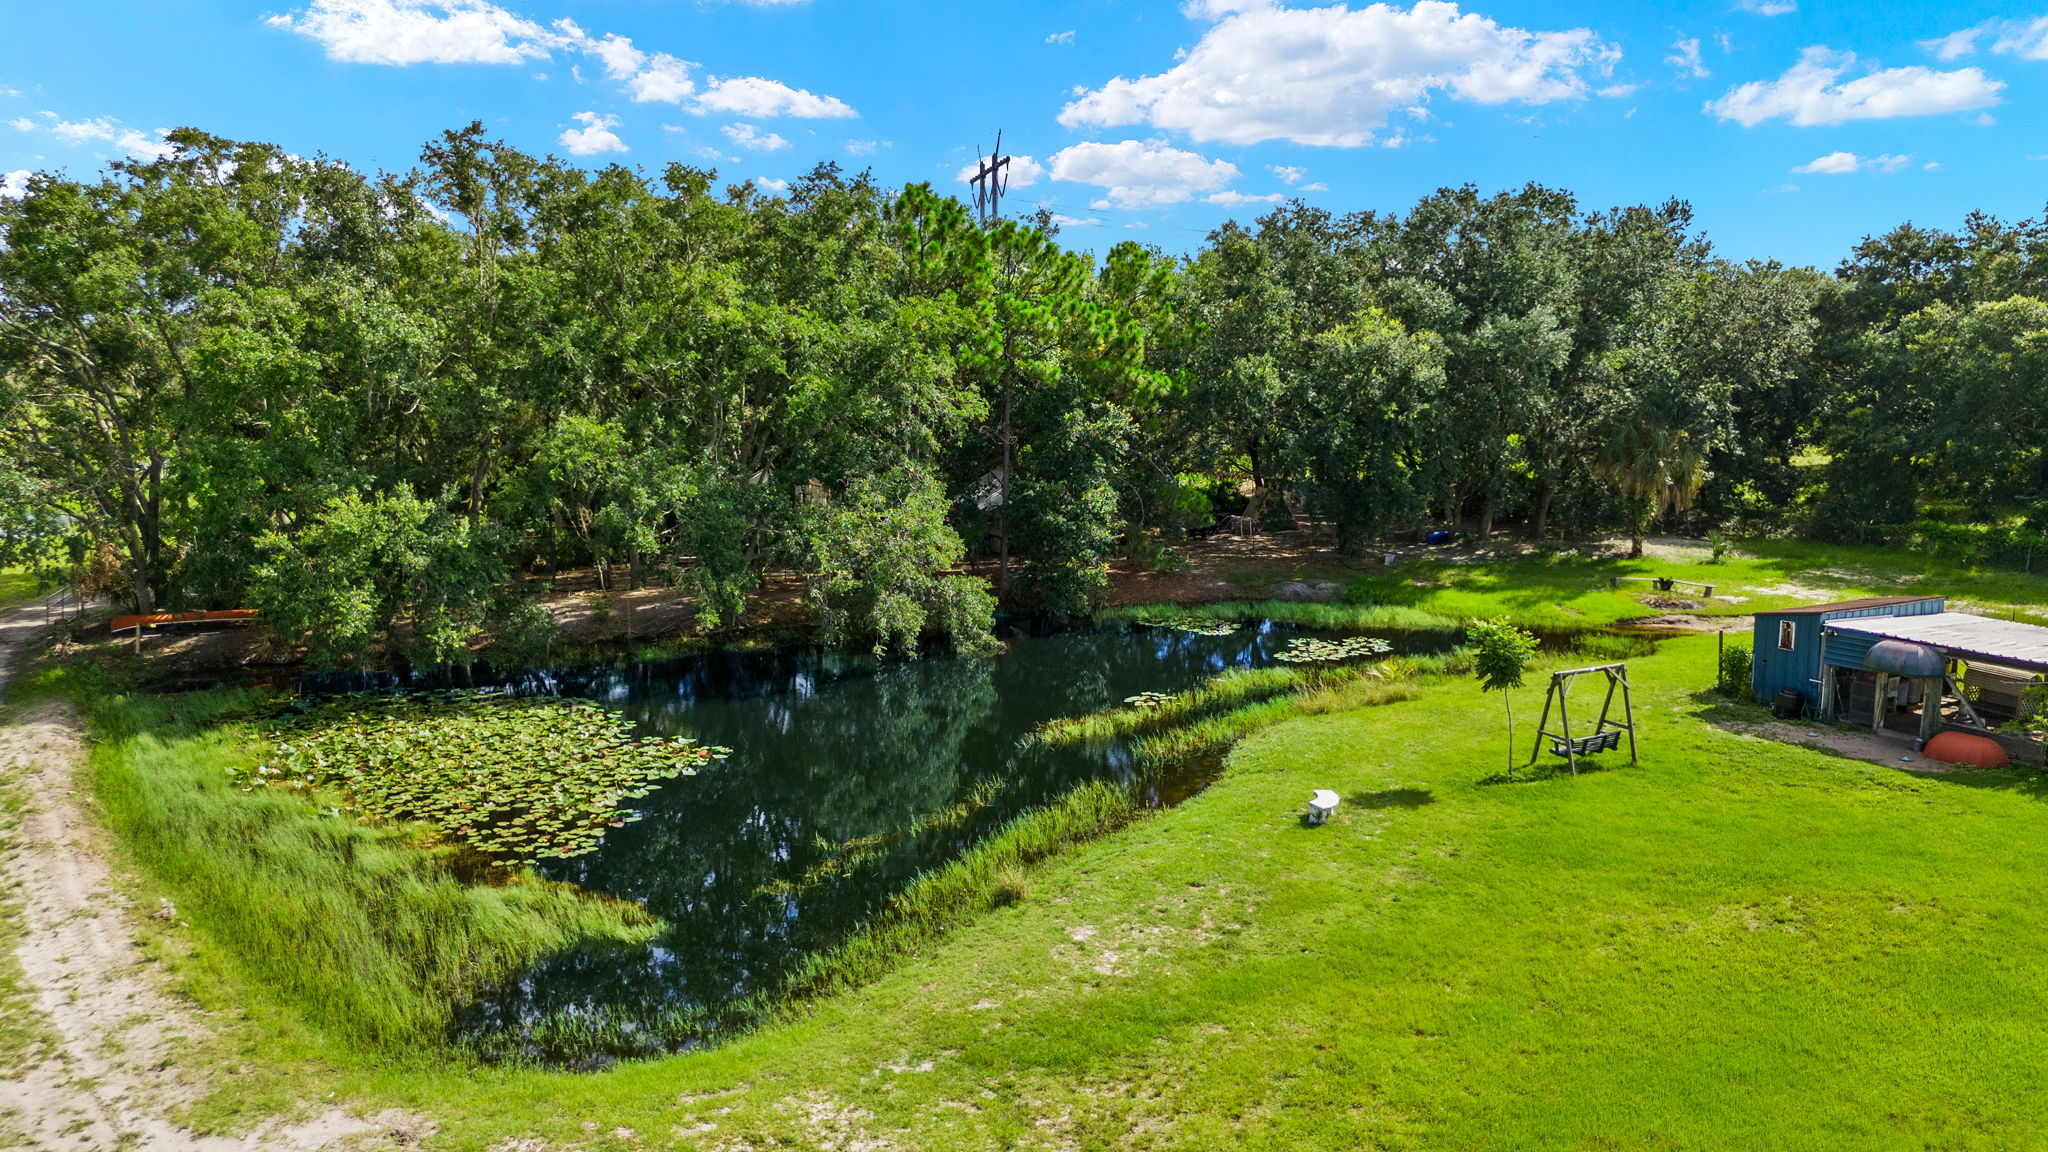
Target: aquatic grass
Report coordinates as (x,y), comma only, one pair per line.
(1229,690)
(1304,650)
(374,938)
(846,856)
(1181,621)
(1214,735)
(987,876)
(513,779)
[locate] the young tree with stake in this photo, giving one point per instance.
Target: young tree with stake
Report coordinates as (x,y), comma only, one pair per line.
(1502,653)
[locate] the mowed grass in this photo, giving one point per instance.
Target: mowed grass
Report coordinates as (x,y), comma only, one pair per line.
(16,587)
(1569,591)
(1736,943)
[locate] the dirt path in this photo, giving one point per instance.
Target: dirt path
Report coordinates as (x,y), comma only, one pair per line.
(110,1081)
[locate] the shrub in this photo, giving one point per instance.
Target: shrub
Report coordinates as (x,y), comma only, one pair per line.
(1734,678)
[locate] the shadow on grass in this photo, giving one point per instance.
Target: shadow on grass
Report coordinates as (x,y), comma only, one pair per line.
(1860,745)
(1392,798)
(1553,770)
(2029,782)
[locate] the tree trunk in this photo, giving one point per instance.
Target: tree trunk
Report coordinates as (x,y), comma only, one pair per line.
(1539,523)
(1003,494)
(1507,701)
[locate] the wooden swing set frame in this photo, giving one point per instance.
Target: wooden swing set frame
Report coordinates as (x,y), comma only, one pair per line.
(1606,733)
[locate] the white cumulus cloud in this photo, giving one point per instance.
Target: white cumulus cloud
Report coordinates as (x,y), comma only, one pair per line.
(420,32)
(407,32)
(1141,174)
(1813,92)
(1843,163)
(595,137)
(1287,173)
(1066,221)
(1766,7)
(1332,75)
(748,137)
(1066,37)
(772,184)
(759,97)
(14,185)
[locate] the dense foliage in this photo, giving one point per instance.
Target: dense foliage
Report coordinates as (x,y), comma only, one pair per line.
(368,404)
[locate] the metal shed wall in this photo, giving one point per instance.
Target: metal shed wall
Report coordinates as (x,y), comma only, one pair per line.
(1773,668)
(1847,649)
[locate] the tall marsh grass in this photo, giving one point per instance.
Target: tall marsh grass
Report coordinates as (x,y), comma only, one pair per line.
(372,936)
(1232,689)
(990,875)
(1214,735)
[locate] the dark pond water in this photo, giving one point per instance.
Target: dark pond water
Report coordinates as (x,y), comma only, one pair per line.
(847,779)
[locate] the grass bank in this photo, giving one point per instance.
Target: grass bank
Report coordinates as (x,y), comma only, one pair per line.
(992,874)
(1203,722)
(370,935)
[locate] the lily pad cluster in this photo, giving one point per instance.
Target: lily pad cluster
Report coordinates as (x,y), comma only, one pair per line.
(1191,623)
(515,779)
(1305,651)
(1148,699)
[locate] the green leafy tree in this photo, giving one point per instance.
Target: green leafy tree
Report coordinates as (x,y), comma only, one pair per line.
(390,574)
(1501,654)
(1367,411)
(876,570)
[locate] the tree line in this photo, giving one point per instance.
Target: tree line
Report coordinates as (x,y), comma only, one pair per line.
(364,402)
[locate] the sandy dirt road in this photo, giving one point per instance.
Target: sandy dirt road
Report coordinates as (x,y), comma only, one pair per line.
(109,1079)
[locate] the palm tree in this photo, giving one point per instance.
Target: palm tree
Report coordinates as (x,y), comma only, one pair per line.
(1655,467)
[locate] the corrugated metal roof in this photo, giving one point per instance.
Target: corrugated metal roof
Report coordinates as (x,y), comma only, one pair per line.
(1960,633)
(1845,605)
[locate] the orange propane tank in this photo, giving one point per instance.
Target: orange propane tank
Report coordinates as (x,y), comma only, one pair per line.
(1963,748)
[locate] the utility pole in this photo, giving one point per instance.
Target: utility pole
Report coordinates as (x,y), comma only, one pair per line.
(991,180)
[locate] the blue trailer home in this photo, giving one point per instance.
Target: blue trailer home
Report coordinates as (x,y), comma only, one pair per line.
(1786,649)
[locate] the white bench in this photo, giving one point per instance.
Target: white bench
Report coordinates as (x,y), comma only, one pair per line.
(1321,805)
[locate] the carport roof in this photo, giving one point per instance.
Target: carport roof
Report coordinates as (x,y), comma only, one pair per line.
(1845,606)
(1960,634)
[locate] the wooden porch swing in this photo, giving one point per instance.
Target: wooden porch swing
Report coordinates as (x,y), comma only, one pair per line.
(1606,734)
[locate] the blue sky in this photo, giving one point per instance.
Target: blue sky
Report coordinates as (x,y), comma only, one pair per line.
(1794,128)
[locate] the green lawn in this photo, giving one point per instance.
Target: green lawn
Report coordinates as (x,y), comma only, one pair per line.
(16,587)
(1735,944)
(1571,592)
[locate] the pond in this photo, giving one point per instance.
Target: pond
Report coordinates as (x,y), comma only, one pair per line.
(847,779)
